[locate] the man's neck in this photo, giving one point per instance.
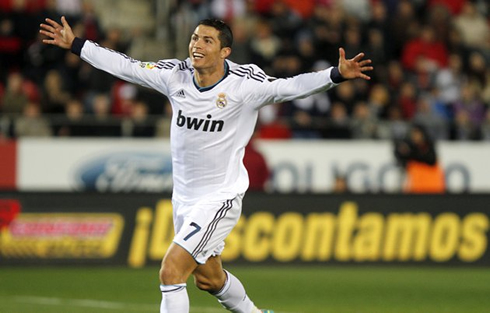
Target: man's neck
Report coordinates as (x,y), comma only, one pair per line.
(206,78)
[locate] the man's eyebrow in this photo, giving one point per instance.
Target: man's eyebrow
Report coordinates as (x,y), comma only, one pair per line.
(205,37)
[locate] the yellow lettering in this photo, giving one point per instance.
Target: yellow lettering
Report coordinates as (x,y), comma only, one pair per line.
(318,237)
(139,243)
(345,227)
(163,230)
(406,237)
(474,237)
(288,236)
(367,243)
(445,237)
(257,238)
(234,242)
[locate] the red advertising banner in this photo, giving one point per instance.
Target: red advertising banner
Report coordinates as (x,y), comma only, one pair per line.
(8,165)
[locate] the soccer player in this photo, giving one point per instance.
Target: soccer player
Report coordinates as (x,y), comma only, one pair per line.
(215,104)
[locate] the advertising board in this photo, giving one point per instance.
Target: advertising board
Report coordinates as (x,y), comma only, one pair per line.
(136,229)
(107,165)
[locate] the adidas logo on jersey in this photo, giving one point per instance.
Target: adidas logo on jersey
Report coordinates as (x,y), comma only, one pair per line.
(180,94)
(205,125)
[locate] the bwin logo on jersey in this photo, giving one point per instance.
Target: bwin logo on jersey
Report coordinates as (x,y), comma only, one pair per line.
(205,125)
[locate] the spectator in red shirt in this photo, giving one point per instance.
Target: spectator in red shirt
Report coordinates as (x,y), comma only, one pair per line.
(425,48)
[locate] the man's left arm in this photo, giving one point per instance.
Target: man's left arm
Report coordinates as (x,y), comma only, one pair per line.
(303,85)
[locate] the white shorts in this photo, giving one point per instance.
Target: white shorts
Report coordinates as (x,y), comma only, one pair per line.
(201,228)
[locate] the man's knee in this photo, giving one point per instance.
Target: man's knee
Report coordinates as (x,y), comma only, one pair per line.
(170,274)
(176,267)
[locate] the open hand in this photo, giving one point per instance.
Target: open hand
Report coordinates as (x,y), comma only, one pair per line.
(59,35)
(355,67)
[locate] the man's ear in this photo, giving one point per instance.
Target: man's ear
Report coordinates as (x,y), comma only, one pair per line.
(225,52)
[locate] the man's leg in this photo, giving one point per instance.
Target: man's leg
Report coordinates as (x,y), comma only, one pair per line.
(177,265)
(224,286)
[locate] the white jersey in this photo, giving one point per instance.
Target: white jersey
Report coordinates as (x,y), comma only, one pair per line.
(210,126)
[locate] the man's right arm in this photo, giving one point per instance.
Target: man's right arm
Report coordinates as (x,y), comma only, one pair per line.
(146,74)
(115,63)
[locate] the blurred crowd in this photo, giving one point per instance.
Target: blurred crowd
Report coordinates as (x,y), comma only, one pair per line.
(431,61)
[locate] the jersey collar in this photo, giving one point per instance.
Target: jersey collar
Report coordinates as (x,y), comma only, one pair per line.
(202,89)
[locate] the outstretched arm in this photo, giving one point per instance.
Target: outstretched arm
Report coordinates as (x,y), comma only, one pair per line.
(59,35)
(355,67)
(148,74)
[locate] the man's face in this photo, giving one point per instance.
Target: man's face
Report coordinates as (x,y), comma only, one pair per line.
(205,48)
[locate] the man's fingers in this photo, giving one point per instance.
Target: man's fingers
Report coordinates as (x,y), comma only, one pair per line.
(342,53)
(49,42)
(64,22)
(53,23)
(363,76)
(47,28)
(358,57)
(365,62)
(48,34)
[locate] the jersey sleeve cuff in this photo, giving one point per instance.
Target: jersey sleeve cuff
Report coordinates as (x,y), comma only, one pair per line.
(335,75)
(77,46)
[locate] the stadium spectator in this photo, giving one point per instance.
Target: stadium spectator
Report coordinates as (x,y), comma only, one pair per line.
(425,52)
(470,102)
(407,100)
(363,122)
(32,123)
(227,10)
(338,126)
(14,98)
(345,94)
(241,38)
(285,21)
(417,156)
(104,125)
(70,8)
(297,35)
(54,94)
(393,127)
(141,125)
(74,123)
(430,118)
(462,128)
(473,27)
(264,45)
(10,44)
(449,80)
(453,6)
(477,68)
(402,24)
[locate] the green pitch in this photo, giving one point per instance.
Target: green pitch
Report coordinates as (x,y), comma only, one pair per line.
(284,289)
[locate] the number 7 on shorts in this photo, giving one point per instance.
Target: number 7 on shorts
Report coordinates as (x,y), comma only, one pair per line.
(192,233)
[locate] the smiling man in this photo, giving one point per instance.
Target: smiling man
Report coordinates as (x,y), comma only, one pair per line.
(215,105)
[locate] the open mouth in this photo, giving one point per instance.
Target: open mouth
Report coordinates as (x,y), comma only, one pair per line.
(197,56)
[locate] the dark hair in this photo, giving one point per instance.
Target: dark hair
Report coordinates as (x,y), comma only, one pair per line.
(225,35)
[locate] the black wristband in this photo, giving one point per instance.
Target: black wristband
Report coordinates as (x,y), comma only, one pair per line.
(77,45)
(336,76)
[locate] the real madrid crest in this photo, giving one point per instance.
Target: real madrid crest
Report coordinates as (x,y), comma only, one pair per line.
(221,102)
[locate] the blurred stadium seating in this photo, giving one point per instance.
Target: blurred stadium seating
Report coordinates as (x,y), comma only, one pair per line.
(431,65)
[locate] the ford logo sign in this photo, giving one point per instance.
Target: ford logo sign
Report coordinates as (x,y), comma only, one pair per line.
(126,172)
